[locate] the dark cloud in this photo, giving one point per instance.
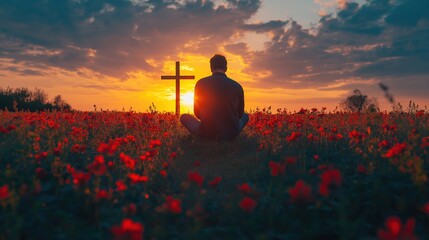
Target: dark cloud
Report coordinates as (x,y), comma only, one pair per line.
(360,43)
(22,71)
(409,13)
(116,36)
(265,27)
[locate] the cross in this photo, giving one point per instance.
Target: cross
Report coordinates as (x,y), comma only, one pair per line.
(177,77)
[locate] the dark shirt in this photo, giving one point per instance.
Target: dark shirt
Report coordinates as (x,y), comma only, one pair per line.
(219,104)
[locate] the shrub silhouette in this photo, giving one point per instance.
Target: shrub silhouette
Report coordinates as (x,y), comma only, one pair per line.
(359,102)
(22,99)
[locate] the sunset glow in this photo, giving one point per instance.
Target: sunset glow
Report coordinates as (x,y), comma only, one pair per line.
(187,99)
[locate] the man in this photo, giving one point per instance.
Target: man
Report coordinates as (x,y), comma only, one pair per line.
(218,104)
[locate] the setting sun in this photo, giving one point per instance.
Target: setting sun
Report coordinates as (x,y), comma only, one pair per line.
(187,99)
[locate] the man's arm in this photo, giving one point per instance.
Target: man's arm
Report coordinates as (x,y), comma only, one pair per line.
(240,103)
(197,94)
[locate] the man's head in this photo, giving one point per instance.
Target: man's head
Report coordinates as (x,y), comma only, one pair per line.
(218,63)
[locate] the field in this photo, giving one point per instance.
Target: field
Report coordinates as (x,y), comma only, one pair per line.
(126,175)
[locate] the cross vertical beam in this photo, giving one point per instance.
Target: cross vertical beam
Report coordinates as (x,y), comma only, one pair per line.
(177,88)
(177,77)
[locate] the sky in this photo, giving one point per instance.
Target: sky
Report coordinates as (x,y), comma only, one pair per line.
(285,53)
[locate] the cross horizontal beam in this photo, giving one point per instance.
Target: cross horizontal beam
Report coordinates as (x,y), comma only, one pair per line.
(175,77)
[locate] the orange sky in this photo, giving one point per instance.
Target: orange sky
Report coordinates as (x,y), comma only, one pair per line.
(140,89)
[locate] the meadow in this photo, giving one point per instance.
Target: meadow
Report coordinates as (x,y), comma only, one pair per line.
(125,175)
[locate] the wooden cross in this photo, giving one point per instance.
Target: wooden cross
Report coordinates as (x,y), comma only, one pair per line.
(177,77)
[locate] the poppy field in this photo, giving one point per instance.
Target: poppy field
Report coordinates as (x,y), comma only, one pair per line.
(313,174)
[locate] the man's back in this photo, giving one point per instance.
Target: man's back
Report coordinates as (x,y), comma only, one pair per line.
(219,104)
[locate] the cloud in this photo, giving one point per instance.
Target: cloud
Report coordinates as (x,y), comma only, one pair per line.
(117,36)
(265,27)
(360,43)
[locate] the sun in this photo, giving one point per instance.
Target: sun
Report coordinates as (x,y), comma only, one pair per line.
(187,98)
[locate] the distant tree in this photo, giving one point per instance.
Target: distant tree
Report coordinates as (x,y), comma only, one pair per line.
(39,96)
(359,102)
(60,104)
(22,99)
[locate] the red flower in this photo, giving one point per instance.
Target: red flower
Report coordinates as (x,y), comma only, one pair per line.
(294,136)
(40,156)
(4,192)
(4,130)
(396,231)
(324,190)
(310,137)
(98,167)
(58,149)
(173,155)
(301,192)
(277,168)
(330,178)
(215,181)
(420,113)
(135,178)
(109,149)
(128,161)
(322,167)
(196,177)
(165,165)
(245,188)
(356,136)
(110,164)
(70,169)
(120,186)
(291,160)
(154,143)
(80,178)
(131,138)
(247,204)
(173,205)
(149,155)
(41,173)
(103,194)
(425,142)
(383,144)
(78,148)
(361,169)
(395,150)
(338,136)
(128,230)
(302,111)
(425,208)
(163,173)
(130,209)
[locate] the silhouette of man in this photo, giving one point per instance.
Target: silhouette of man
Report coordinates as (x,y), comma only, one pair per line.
(218,105)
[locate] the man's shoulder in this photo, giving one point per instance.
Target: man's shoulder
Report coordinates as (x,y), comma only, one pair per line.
(211,78)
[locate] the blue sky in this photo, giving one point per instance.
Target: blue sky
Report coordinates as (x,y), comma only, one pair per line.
(303,11)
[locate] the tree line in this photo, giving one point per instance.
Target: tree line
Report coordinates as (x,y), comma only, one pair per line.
(23,99)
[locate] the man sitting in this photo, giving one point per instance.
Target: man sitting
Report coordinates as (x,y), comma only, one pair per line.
(218,104)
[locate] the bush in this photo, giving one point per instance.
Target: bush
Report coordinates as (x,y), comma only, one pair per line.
(22,99)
